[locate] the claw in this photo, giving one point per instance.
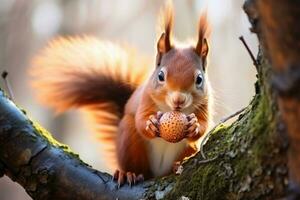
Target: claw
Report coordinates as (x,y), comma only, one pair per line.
(191,116)
(116,175)
(193,126)
(129,178)
(121,177)
(153,123)
(192,121)
(153,120)
(159,114)
(151,128)
(134,178)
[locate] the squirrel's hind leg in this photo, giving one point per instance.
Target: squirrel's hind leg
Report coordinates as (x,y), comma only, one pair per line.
(131,153)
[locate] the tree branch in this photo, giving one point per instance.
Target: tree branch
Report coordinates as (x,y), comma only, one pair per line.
(247,153)
(47,169)
(250,153)
(276,23)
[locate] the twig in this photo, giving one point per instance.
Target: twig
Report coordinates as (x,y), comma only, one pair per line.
(7,84)
(223,120)
(249,51)
(207,160)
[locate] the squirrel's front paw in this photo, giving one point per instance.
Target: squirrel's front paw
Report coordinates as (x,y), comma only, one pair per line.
(152,124)
(192,128)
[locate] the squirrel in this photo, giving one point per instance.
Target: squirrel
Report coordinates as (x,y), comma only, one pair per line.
(126,99)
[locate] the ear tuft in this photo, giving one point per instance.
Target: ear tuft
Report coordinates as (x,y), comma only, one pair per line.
(164,43)
(203,33)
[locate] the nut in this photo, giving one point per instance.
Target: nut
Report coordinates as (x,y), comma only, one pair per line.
(172,126)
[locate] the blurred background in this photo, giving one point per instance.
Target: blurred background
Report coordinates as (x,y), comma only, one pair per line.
(27,25)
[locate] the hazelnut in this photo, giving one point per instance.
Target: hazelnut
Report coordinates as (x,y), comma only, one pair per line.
(172,126)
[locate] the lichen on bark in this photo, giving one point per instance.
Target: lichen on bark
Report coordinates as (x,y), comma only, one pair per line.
(39,130)
(251,161)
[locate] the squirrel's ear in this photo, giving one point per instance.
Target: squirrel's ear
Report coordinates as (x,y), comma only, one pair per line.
(202,51)
(202,48)
(202,44)
(164,42)
(163,46)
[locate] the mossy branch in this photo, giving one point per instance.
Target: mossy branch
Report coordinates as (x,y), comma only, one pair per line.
(250,161)
(44,167)
(251,152)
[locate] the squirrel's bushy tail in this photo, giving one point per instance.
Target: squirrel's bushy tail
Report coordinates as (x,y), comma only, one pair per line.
(85,72)
(75,72)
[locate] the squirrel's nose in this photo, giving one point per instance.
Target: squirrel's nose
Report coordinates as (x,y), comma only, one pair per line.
(179,102)
(178,99)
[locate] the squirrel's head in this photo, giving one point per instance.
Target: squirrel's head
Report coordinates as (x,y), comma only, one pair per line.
(179,80)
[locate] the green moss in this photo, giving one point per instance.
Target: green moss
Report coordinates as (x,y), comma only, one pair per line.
(242,170)
(53,142)
(45,134)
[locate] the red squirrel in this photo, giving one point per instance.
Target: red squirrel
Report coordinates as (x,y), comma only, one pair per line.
(112,84)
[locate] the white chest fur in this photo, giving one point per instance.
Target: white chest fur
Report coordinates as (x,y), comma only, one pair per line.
(162,155)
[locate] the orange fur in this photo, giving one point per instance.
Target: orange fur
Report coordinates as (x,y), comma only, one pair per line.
(189,151)
(204,28)
(97,76)
(131,148)
(67,70)
(146,108)
(109,83)
(203,34)
(164,43)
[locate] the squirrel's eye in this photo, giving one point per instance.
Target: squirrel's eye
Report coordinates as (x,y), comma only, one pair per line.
(199,80)
(161,76)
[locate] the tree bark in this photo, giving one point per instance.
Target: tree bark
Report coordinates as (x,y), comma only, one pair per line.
(275,23)
(251,153)
(45,168)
